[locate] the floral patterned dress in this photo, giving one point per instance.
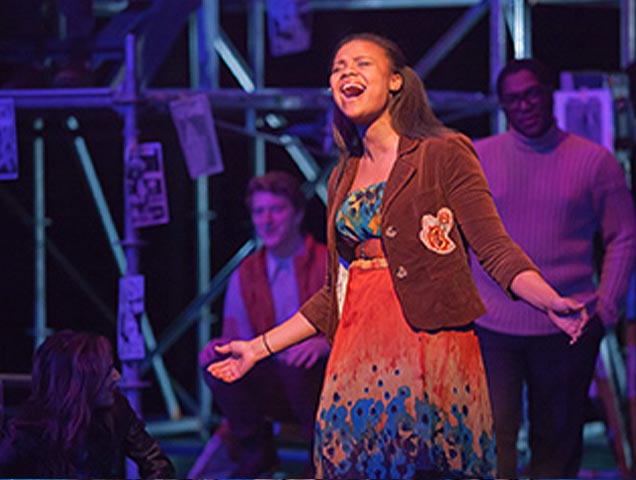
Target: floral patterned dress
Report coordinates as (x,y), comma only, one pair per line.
(397,403)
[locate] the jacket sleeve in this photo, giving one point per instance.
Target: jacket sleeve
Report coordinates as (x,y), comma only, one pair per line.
(316,309)
(143,449)
(319,308)
(470,198)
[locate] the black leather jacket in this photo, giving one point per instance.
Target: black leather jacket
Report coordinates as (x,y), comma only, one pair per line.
(116,433)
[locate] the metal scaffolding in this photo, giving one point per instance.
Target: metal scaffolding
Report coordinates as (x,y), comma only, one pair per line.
(209,47)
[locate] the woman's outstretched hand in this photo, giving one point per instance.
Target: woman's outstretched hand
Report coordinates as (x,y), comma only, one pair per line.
(570,316)
(241,355)
(240,360)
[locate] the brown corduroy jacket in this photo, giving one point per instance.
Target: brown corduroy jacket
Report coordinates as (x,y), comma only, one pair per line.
(436,204)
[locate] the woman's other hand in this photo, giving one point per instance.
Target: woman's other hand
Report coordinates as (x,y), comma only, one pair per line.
(567,313)
(570,316)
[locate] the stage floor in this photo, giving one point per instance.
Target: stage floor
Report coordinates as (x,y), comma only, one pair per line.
(598,457)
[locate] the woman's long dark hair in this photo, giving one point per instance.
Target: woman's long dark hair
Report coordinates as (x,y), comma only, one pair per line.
(411,113)
(68,372)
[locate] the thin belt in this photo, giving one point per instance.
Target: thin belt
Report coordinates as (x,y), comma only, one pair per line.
(369,249)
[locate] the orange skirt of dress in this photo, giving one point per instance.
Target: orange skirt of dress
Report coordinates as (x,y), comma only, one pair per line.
(399,403)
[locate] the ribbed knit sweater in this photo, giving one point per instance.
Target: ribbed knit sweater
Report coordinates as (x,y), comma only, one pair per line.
(554,194)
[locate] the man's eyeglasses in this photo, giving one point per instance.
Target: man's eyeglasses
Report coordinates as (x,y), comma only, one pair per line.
(531,96)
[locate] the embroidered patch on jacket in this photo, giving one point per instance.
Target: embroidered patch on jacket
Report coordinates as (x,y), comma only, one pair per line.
(435,233)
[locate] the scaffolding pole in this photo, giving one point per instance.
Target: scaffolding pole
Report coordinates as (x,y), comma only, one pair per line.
(39,235)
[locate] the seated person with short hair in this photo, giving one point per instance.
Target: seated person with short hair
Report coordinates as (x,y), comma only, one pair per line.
(266,289)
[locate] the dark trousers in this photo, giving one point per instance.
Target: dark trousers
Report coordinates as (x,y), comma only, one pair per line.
(558,377)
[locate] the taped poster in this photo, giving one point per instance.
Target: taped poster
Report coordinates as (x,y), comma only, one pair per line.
(130,341)
(146,194)
(193,120)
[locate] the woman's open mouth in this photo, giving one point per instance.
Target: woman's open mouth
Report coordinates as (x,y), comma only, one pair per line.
(351,89)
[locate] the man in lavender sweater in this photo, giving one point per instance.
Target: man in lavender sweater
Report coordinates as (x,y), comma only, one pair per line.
(556,193)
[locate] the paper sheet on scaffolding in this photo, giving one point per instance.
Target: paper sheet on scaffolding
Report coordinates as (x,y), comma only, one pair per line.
(8,141)
(130,340)
(588,113)
(146,186)
(289,25)
(193,120)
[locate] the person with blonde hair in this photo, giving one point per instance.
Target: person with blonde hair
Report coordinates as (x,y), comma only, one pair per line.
(267,287)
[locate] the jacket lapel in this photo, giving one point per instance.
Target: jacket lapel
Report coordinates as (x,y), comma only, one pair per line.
(401,172)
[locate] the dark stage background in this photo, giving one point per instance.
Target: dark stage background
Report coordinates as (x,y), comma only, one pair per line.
(566,38)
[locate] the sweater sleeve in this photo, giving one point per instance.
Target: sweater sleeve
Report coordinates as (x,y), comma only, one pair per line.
(471,200)
(615,210)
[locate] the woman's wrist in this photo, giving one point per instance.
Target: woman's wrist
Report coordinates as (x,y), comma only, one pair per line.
(266,344)
(530,286)
(259,347)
